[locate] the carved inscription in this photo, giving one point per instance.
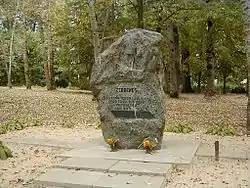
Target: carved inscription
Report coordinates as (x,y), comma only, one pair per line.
(127,101)
(126,104)
(126,89)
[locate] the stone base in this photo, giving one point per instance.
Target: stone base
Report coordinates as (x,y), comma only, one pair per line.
(172,152)
(97,167)
(132,133)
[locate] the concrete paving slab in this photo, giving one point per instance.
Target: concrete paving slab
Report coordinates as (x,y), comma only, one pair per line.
(248,155)
(129,181)
(42,141)
(87,164)
(173,151)
(87,179)
(139,168)
(68,178)
(82,144)
(205,151)
(248,168)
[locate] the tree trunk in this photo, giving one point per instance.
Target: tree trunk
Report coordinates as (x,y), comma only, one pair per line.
(199,82)
(95,28)
(224,83)
(166,84)
(187,87)
(48,64)
(246,6)
(210,91)
(50,67)
(11,55)
(174,60)
(140,22)
(26,61)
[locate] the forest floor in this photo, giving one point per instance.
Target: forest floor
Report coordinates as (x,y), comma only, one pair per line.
(71,115)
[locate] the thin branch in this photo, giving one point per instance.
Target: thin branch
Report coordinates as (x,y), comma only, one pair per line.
(136,8)
(105,22)
(178,10)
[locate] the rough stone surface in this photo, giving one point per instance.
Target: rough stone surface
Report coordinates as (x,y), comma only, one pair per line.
(127,82)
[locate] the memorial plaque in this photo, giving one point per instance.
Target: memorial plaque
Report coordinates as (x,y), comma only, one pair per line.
(126,80)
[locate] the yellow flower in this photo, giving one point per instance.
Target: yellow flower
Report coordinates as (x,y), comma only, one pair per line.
(147,144)
(110,141)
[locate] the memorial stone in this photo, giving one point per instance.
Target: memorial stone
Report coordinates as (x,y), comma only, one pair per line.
(127,82)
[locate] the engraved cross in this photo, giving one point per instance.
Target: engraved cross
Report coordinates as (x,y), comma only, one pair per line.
(132,54)
(134,58)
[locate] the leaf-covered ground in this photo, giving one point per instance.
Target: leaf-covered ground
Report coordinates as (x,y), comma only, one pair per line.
(67,108)
(71,115)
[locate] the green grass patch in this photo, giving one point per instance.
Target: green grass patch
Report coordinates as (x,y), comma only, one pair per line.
(5,152)
(16,125)
(222,130)
(178,128)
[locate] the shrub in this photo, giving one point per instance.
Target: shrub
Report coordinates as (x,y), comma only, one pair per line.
(222,130)
(5,152)
(62,83)
(15,125)
(178,128)
(238,90)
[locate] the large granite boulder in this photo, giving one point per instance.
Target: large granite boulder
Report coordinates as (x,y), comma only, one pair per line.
(127,82)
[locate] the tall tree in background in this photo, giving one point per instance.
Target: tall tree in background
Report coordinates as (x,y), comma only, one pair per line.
(140,22)
(246,6)
(26,58)
(139,8)
(49,60)
(13,24)
(28,13)
(174,59)
(187,85)
(11,54)
(94,27)
(210,55)
(210,58)
(100,23)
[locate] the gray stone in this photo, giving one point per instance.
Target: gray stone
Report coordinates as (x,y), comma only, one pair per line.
(129,181)
(87,164)
(68,178)
(87,179)
(127,82)
(140,168)
(174,151)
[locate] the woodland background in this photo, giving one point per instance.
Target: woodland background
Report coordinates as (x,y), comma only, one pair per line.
(55,42)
